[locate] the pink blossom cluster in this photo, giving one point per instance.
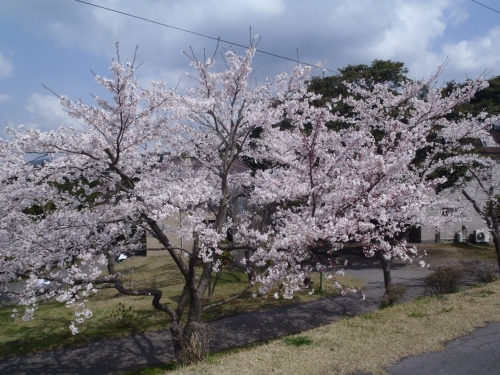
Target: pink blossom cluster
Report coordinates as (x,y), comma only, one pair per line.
(150,154)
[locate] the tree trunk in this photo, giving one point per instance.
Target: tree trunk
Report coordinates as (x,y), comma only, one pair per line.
(496,241)
(210,288)
(111,264)
(386,267)
(191,342)
(252,273)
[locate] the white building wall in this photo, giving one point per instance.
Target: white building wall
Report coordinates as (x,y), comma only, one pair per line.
(155,248)
(467,227)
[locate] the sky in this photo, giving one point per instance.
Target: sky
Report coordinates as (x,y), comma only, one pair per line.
(57,43)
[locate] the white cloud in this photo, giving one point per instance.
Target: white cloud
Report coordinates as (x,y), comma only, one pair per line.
(6,67)
(48,113)
(341,32)
(4,98)
(234,9)
(476,55)
(457,16)
(411,31)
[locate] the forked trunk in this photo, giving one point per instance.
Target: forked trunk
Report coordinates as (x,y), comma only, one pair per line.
(191,341)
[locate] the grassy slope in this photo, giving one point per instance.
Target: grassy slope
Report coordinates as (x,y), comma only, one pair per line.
(369,342)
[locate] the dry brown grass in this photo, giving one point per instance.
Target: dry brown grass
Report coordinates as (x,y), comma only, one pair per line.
(369,342)
(447,254)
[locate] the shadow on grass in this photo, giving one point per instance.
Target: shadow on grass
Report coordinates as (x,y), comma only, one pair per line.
(173,365)
(49,332)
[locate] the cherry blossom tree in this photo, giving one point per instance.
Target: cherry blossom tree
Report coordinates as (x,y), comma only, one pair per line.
(143,157)
(482,190)
(478,176)
(153,153)
(419,115)
(369,182)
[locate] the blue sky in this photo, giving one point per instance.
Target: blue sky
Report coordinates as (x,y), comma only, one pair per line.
(57,42)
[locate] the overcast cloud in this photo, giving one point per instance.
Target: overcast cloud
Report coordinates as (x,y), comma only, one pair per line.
(56,42)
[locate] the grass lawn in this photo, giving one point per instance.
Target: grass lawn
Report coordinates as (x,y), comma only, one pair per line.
(50,329)
(369,342)
(457,252)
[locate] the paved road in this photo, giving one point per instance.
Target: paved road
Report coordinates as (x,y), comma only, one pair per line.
(477,353)
(141,350)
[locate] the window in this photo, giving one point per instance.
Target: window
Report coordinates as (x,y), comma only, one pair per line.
(448,211)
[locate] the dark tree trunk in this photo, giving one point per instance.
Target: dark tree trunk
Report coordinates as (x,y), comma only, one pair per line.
(176,331)
(252,274)
(496,241)
(386,267)
(210,288)
(111,264)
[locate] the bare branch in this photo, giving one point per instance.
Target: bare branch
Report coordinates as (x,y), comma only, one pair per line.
(212,305)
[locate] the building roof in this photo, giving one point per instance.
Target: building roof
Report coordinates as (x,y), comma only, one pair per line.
(493,147)
(236,167)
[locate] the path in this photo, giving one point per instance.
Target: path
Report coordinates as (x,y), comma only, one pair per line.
(142,350)
(477,353)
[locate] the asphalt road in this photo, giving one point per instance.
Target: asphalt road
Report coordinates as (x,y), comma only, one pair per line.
(474,354)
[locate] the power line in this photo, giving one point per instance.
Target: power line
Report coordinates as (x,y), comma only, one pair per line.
(494,10)
(198,34)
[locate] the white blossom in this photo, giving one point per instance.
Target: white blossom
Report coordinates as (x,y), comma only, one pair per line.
(146,156)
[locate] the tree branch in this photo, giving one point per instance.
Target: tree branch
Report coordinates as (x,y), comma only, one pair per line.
(205,308)
(157,294)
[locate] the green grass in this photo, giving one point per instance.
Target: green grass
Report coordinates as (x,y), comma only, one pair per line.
(367,316)
(483,293)
(418,314)
(297,340)
(50,330)
(154,370)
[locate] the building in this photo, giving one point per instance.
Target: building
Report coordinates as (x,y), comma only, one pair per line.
(473,229)
(155,248)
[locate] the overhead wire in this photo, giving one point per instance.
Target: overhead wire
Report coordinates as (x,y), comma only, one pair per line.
(477,2)
(199,34)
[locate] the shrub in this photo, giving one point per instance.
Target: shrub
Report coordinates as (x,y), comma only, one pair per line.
(444,280)
(482,270)
(123,317)
(393,293)
(446,310)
